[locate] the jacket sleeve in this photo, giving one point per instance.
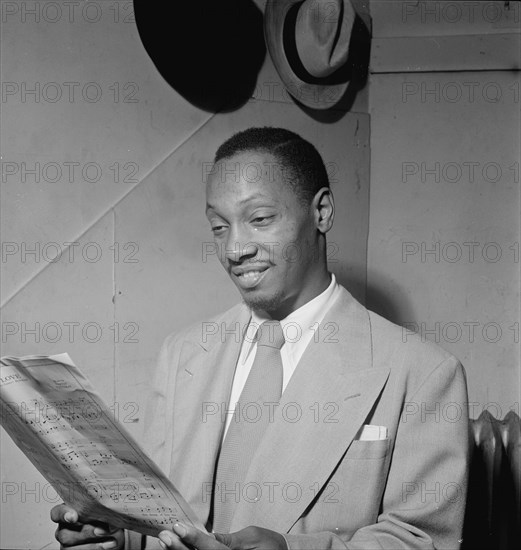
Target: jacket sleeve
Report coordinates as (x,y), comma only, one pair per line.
(156,429)
(423,503)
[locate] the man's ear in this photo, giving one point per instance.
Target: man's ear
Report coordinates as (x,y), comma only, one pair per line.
(324,209)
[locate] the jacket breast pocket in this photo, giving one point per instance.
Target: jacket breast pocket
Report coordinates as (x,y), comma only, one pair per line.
(352,497)
(368,449)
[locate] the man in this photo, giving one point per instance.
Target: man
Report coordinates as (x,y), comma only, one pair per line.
(347,432)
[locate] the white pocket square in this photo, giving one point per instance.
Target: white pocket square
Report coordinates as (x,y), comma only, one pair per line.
(370,432)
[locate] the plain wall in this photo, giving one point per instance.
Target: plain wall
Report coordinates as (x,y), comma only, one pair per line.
(443,248)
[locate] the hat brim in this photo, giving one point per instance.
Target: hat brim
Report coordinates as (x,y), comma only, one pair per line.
(312,92)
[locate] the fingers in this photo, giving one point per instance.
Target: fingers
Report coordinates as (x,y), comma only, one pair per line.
(89,535)
(64,514)
(107,545)
(253,537)
(84,536)
(186,537)
(170,540)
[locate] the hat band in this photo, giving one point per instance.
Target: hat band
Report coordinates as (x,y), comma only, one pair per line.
(290,49)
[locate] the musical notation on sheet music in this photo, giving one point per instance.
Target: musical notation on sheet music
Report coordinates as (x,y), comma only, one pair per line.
(55,416)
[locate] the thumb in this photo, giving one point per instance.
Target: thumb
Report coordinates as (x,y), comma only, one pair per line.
(192,537)
(225,538)
(63,513)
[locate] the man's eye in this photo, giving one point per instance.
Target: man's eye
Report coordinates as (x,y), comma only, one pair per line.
(260,220)
(218,228)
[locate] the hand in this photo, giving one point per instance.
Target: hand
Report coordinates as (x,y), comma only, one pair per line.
(72,533)
(251,538)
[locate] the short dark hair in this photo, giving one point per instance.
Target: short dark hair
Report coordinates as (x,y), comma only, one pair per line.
(303,166)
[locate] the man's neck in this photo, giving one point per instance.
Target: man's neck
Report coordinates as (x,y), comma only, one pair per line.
(286,309)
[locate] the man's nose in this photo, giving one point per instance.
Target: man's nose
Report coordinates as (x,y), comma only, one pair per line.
(238,248)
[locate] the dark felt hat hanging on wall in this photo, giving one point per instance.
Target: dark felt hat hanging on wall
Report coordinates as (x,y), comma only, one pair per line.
(209,51)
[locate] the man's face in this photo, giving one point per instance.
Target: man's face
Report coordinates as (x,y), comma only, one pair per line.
(267,239)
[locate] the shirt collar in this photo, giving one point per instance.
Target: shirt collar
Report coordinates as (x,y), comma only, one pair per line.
(305,316)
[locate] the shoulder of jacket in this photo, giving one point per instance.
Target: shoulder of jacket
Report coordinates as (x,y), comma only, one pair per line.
(410,354)
(202,329)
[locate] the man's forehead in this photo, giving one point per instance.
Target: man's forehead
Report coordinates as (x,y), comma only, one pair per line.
(246,169)
(248,166)
(242,193)
(246,179)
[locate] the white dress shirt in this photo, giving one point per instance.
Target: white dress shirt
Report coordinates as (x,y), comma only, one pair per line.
(299,327)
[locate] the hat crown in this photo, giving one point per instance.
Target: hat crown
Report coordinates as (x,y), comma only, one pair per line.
(322,33)
(318,61)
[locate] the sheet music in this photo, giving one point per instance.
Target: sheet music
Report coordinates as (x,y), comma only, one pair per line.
(56,418)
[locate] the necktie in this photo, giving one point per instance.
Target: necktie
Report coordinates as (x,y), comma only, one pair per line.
(252,415)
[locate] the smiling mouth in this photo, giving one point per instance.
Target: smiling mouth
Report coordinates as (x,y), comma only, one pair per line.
(250,279)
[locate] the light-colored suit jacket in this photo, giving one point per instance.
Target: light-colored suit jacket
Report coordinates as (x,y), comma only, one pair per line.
(314,478)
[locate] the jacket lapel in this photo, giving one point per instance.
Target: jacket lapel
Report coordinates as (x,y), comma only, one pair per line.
(324,405)
(202,392)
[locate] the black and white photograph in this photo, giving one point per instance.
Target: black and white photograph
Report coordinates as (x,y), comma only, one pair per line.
(260,275)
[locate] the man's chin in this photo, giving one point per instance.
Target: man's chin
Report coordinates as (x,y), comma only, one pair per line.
(257,301)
